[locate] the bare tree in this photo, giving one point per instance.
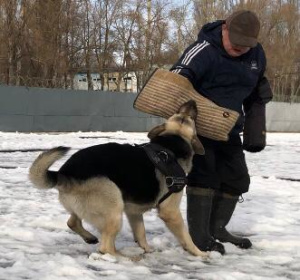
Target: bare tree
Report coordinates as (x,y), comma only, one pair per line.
(46,42)
(104,16)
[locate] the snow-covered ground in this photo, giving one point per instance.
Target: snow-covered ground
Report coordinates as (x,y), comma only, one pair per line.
(35,242)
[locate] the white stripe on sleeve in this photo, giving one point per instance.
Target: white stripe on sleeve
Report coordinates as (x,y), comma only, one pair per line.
(177,70)
(193,52)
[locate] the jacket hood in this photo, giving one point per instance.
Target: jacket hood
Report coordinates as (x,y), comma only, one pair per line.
(212,33)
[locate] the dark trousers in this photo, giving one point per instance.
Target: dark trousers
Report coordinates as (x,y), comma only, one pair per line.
(223,167)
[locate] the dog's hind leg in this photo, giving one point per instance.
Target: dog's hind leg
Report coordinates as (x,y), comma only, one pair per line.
(75,224)
(136,222)
(109,229)
(169,212)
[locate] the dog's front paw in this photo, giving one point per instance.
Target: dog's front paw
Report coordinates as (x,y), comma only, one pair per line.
(148,249)
(91,240)
(198,253)
(145,247)
(205,256)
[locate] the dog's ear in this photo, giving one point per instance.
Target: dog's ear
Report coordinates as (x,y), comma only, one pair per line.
(156,131)
(197,146)
(189,108)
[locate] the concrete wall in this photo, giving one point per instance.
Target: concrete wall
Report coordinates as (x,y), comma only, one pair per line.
(46,110)
(283,117)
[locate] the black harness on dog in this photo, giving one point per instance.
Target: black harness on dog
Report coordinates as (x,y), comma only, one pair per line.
(166,162)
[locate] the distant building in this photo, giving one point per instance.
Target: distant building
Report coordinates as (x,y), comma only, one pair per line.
(128,82)
(80,81)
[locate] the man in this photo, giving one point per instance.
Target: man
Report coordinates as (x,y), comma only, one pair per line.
(226,65)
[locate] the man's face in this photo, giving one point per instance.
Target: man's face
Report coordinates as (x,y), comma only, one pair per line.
(231,49)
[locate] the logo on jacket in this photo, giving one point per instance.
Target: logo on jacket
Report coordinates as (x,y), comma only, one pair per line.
(254,65)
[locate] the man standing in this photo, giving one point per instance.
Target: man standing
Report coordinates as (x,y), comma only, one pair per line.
(226,65)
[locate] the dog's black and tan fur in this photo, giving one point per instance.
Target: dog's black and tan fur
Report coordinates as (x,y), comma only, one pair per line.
(99,183)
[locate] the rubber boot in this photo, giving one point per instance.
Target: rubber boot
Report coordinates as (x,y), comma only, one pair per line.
(199,203)
(223,208)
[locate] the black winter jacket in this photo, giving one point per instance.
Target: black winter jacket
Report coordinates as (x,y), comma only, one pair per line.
(223,79)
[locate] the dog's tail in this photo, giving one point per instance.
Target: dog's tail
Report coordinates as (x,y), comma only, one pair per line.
(39,174)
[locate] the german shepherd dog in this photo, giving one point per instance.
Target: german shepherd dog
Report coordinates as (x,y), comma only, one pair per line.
(99,183)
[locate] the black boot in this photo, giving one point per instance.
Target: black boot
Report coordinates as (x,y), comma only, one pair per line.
(223,208)
(199,202)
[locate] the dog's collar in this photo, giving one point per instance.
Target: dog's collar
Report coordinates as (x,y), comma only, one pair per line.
(166,162)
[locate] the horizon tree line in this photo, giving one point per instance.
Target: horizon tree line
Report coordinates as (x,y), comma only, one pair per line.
(44,43)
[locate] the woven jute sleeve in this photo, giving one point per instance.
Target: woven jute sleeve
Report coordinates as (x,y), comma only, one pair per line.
(165,92)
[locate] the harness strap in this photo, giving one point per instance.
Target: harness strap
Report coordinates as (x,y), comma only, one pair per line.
(166,162)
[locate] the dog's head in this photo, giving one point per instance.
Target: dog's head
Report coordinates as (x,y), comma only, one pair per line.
(182,124)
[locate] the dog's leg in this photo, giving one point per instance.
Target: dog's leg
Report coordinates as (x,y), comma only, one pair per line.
(109,229)
(75,224)
(169,212)
(136,222)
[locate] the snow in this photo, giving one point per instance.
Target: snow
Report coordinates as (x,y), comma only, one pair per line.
(35,242)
